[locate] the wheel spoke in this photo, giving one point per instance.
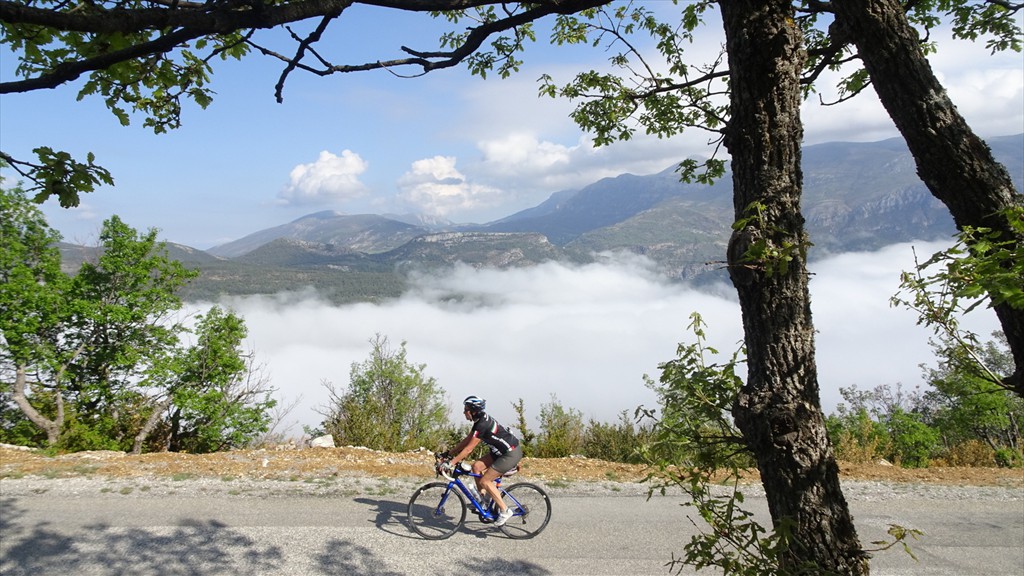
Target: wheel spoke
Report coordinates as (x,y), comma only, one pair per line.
(436,512)
(531,511)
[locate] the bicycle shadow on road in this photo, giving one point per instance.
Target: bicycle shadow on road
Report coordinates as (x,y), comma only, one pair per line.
(390,516)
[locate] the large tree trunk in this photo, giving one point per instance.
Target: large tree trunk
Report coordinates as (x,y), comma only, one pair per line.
(956,165)
(778,410)
(20,398)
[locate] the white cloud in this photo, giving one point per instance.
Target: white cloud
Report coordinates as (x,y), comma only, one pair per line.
(519,151)
(434,186)
(987,89)
(587,334)
(330,178)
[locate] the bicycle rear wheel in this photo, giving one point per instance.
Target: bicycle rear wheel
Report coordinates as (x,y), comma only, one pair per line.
(435,512)
(531,510)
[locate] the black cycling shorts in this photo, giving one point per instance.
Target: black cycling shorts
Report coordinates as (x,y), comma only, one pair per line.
(508,461)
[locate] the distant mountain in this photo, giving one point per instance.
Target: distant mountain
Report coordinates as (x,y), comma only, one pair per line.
(478,249)
(73,255)
(857,196)
(604,203)
(367,233)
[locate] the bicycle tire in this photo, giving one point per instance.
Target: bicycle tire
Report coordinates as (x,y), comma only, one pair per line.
(435,512)
(531,510)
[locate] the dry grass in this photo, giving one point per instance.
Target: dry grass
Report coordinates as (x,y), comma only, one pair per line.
(312,463)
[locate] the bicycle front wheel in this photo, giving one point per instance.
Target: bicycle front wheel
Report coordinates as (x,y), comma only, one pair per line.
(435,512)
(531,510)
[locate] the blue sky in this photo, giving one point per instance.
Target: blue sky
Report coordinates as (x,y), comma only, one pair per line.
(445,144)
(473,150)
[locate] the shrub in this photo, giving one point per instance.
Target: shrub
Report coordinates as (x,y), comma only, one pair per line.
(970,453)
(1009,458)
(619,442)
(857,438)
(390,404)
(914,443)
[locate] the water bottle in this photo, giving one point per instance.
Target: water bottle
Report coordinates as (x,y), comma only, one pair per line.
(471,486)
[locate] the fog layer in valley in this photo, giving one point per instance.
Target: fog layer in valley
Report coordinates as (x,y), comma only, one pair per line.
(586,334)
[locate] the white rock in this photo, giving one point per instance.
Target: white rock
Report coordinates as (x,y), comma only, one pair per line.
(325,441)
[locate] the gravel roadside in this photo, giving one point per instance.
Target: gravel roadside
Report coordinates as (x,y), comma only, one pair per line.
(357,485)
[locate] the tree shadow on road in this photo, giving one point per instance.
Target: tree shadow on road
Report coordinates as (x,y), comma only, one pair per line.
(483,566)
(190,549)
(347,559)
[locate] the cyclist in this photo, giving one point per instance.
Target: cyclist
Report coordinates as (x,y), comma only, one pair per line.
(505,452)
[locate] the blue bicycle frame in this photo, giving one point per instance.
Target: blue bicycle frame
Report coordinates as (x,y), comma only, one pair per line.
(455,481)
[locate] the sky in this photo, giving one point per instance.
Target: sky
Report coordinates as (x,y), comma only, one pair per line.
(465,149)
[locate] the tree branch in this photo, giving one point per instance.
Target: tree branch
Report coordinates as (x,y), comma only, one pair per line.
(70,71)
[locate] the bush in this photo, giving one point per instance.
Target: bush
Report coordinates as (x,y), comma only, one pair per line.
(390,404)
(857,438)
(1009,458)
(970,453)
(77,437)
(619,442)
(914,443)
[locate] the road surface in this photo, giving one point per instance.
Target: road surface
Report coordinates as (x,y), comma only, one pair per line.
(134,532)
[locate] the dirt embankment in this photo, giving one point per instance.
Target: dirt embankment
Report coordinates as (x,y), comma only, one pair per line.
(291,464)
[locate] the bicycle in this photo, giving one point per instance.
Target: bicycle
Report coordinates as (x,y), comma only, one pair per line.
(438,509)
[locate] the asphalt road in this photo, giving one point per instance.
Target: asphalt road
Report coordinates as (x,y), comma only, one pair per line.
(610,534)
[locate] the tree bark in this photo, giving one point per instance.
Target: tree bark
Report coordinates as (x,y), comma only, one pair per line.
(150,424)
(51,427)
(778,410)
(955,164)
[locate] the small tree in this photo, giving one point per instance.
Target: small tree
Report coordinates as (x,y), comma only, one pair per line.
(969,407)
(31,285)
(96,361)
(696,447)
(856,436)
(561,431)
(390,404)
(914,442)
(211,397)
(526,436)
(983,268)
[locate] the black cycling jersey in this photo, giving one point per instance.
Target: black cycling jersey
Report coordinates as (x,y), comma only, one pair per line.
(494,435)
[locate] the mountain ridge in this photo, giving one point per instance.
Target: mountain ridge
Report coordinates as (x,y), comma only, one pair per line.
(857,197)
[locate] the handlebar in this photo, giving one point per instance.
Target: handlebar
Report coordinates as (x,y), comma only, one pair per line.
(442,467)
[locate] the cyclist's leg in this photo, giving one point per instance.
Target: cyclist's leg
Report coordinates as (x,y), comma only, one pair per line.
(487,481)
(500,466)
(481,466)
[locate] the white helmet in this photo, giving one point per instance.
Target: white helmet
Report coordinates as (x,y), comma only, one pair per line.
(475,405)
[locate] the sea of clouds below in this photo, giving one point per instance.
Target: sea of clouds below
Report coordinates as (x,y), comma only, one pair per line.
(584,334)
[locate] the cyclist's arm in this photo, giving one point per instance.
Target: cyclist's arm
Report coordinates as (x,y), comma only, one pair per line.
(465,448)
